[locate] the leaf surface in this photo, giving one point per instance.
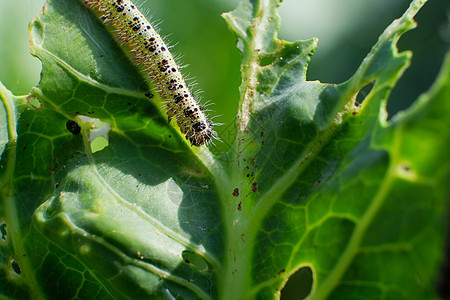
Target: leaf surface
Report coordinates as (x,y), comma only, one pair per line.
(313,180)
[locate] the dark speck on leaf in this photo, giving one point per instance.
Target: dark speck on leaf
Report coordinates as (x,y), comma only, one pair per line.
(3,231)
(16,267)
(254,186)
(73,127)
(236,192)
(406,167)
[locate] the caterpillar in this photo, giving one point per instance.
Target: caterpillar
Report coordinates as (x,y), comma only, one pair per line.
(149,51)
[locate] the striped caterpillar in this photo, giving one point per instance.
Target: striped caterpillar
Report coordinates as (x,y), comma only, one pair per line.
(149,51)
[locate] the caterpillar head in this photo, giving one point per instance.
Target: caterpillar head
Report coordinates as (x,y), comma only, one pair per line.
(202,133)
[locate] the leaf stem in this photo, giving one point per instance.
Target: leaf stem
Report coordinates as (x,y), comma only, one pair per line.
(235,280)
(9,202)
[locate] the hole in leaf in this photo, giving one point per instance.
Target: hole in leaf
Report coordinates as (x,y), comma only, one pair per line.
(3,231)
(405,170)
(443,286)
(195,260)
(34,102)
(96,132)
(362,94)
(298,286)
(266,60)
(16,267)
(38,32)
(98,144)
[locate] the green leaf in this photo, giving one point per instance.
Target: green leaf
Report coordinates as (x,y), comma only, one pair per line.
(313,182)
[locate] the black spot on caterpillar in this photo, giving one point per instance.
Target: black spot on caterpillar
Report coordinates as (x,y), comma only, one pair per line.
(149,51)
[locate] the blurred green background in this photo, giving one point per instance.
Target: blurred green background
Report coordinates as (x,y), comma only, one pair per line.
(347,29)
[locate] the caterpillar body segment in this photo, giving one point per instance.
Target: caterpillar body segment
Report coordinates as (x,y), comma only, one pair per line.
(149,51)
